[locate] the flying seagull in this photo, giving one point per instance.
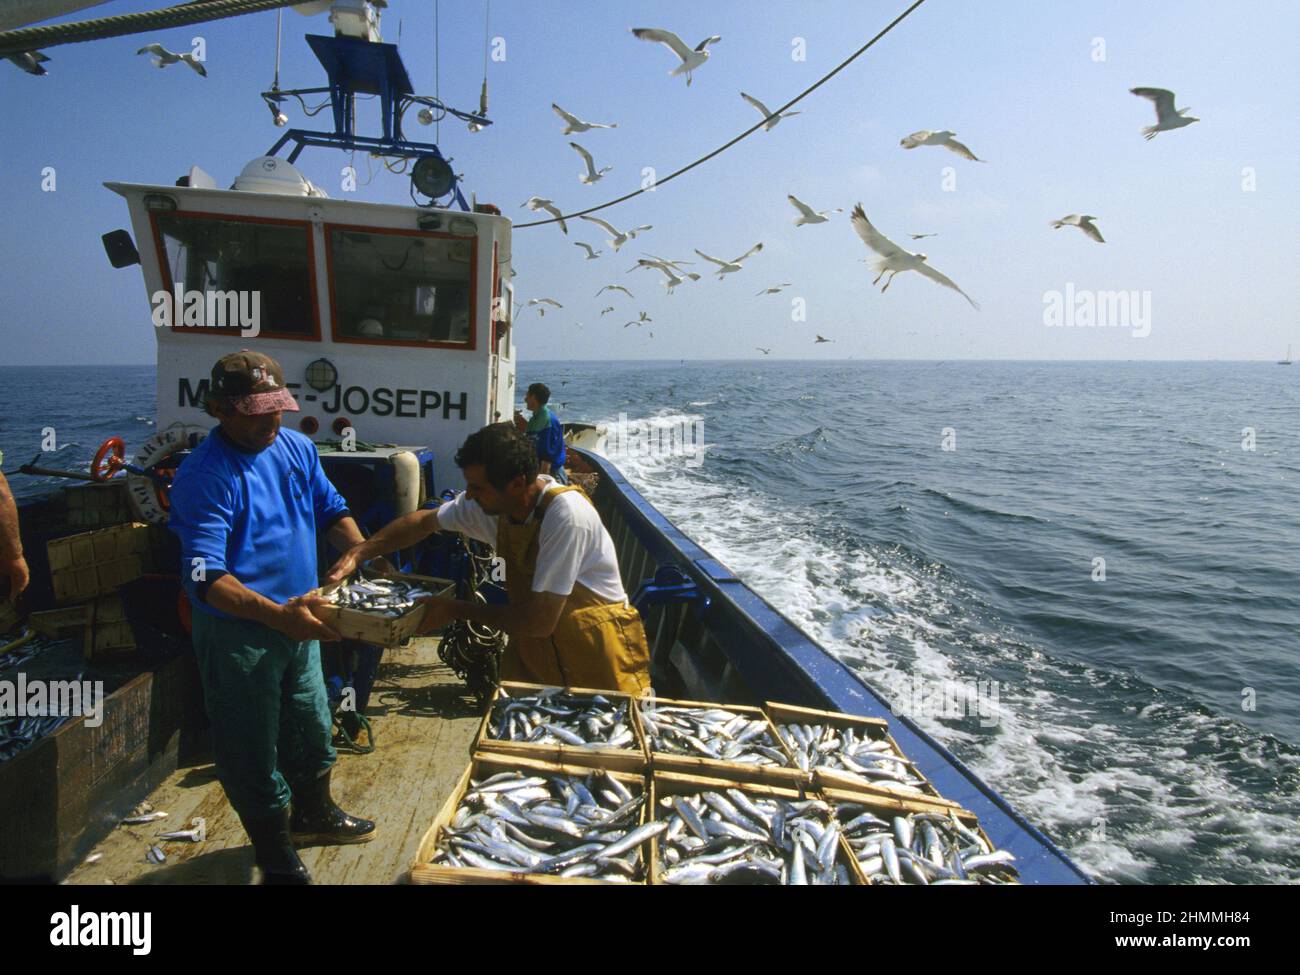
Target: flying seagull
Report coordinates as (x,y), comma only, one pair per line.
(921,236)
(728,267)
(163,57)
(819,340)
(807,214)
(591,254)
(573,124)
(763,350)
(674,279)
(614,287)
(775,289)
(591,175)
(637,323)
(1167,117)
(543,301)
(617,237)
(30,61)
(691,59)
(894,259)
(771,119)
(945,138)
(606,311)
(1084,223)
(541,203)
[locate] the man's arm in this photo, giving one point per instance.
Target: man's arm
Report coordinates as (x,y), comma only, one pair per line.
(401,533)
(12,564)
(535,618)
(294,618)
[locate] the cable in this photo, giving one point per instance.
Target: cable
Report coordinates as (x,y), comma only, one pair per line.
(754,128)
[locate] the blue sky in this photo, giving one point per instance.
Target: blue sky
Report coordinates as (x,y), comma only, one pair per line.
(1018,81)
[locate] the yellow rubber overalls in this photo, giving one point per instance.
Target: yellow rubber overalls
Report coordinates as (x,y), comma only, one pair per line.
(595,644)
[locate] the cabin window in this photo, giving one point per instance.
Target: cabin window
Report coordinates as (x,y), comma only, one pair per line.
(262,268)
(401,288)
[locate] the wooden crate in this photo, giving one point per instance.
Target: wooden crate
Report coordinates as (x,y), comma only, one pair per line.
(481,766)
(381,631)
(875,728)
(633,760)
(99,504)
(664,784)
(58,623)
(788,776)
(8,617)
(96,563)
(108,634)
(886,807)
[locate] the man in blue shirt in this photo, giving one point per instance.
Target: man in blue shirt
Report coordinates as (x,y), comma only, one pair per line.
(544,429)
(247,505)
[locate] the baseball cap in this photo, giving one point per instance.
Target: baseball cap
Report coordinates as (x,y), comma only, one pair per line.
(252,382)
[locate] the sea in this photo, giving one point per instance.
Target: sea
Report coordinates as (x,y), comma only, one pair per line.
(1111,548)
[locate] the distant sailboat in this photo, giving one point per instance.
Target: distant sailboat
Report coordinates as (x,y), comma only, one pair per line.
(1287,360)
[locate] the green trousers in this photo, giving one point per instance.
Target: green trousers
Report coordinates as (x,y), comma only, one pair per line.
(265,696)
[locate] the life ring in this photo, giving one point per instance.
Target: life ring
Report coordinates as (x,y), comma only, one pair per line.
(148,495)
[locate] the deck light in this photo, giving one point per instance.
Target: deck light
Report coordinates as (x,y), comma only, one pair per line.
(321,375)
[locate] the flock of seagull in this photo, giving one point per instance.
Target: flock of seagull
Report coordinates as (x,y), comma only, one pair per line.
(889,259)
(33,62)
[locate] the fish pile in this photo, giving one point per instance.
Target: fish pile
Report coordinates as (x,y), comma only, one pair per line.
(845,750)
(548,823)
(712,732)
(922,848)
(733,838)
(26,650)
(384,597)
(20,732)
(554,717)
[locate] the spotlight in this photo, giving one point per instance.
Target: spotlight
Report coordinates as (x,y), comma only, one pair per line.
(425,116)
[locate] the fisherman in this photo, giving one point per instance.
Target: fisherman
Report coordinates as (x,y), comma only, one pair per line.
(544,429)
(568,619)
(13,566)
(247,505)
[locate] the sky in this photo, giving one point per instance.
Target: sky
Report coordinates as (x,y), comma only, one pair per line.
(1199,223)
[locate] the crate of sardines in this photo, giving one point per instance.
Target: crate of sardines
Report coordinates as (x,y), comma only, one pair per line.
(577,725)
(729,741)
(848,751)
(717,831)
(523,821)
(902,841)
(383,610)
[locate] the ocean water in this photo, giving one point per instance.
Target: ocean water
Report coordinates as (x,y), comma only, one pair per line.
(1148,721)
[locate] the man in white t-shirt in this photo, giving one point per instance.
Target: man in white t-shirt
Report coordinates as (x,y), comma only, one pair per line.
(568,619)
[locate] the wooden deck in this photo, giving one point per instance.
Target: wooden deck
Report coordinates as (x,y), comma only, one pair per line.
(424,724)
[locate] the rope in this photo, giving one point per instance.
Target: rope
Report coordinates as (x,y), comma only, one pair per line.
(752,129)
(52,35)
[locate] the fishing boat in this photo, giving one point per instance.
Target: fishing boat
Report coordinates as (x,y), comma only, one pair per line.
(394,325)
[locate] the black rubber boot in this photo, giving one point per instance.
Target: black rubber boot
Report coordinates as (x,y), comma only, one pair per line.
(274,852)
(317,819)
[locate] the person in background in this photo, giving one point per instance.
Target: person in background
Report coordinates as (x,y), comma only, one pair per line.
(13,566)
(247,505)
(544,429)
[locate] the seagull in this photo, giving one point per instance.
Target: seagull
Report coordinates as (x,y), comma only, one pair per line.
(945,138)
(894,259)
(1167,117)
(673,279)
(573,124)
(771,119)
(541,203)
(30,61)
(921,236)
(606,311)
(617,237)
(590,176)
(543,301)
(775,289)
(691,59)
(637,323)
(763,350)
(727,267)
(819,340)
(614,287)
(591,254)
(807,214)
(163,57)
(1084,223)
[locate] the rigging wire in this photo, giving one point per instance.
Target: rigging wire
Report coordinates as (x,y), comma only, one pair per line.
(754,128)
(437,71)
